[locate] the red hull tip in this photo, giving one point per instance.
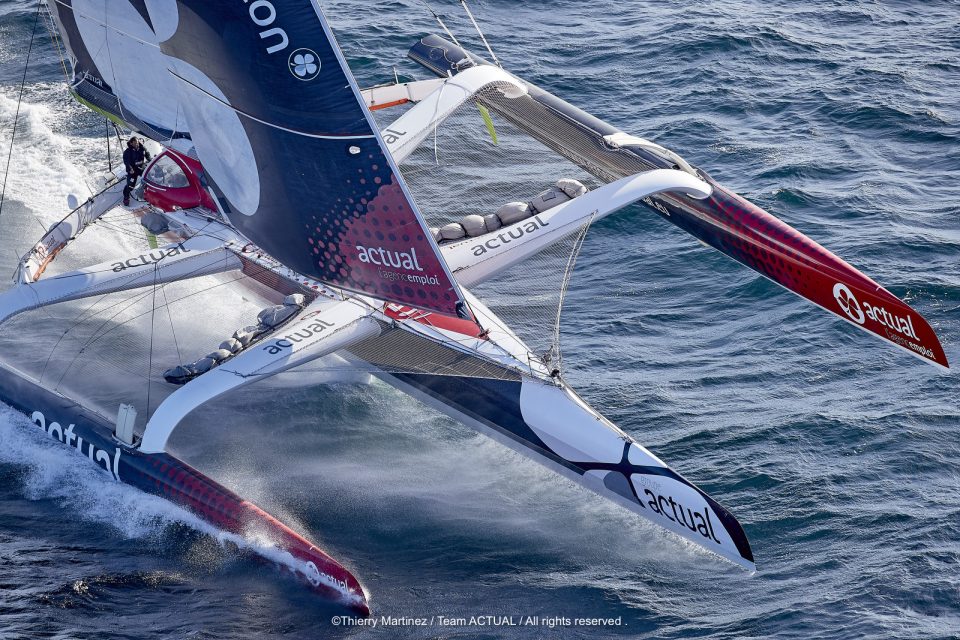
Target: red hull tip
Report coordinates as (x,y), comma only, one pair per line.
(773,248)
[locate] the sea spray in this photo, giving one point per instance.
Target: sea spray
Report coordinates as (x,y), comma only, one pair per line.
(47,165)
(85,491)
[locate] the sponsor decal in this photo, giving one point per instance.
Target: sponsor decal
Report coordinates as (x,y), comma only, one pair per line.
(264,14)
(304,64)
(848,303)
(92,78)
(110,463)
(300,335)
(149,258)
(516,232)
(384,258)
(399,260)
(861,312)
(43,250)
(910,344)
(657,205)
(316,578)
(412,278)
(390,135)
(669,508)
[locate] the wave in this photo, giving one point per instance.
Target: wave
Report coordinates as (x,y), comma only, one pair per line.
(84,492)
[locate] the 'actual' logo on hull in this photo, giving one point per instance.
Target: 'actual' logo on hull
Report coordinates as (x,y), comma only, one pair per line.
(861,312)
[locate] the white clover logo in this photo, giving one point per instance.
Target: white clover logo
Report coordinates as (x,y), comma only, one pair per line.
(304,64)
(848,303)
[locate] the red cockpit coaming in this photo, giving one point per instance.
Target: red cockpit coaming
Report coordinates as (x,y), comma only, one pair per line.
(437,320)
(168,198)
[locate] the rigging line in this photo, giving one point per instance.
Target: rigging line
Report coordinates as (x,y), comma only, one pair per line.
(555,352)
(482,37)
(136,234)
(80,320)
(166,304)
(106,123)
(121,229)
(129,302)
(153,330)
(106,25)
(55,37)
(106,43)
(306,134)
(436,125)
(132,301)
(75,322)
(16,117)
(123,224)
(442,25)
(137,298)
(117,129)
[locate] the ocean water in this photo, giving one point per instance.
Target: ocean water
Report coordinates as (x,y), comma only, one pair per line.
(838,454)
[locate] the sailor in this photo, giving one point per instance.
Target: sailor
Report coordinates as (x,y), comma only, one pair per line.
(135,159)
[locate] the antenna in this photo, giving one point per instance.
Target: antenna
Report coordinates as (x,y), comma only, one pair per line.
(482,37)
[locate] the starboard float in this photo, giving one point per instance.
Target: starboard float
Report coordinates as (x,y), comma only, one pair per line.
(275,178)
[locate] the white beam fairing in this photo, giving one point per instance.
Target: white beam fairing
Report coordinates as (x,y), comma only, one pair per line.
(621,139)
(199,256)
(318,332)
(474,260)
(412,128)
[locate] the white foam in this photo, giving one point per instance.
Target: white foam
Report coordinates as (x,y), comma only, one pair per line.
(57,472)
(46,165)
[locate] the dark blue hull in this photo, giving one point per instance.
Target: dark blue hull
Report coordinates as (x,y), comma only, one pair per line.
(163,475)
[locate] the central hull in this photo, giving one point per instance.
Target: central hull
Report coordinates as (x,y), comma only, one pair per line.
(546,421)
(602,460)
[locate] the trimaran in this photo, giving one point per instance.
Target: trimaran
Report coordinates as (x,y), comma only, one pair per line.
(273,166)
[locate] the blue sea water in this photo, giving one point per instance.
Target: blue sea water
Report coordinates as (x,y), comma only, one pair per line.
(839,454)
